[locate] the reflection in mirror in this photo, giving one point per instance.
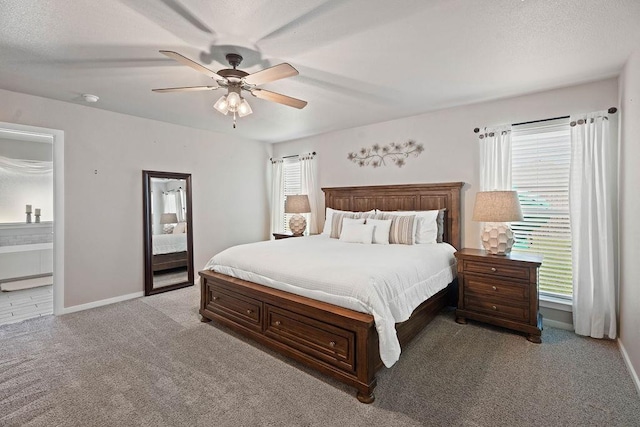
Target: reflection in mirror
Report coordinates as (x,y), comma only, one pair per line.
(168,234)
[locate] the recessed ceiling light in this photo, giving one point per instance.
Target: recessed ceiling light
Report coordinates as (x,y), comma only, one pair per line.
(90,98)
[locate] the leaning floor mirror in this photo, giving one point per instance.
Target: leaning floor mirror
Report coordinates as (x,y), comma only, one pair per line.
(168,234)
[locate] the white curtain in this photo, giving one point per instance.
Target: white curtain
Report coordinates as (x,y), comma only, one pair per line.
(592,203)
(277,195)
(495,158)
(309,186)
(179,204)
(30,167)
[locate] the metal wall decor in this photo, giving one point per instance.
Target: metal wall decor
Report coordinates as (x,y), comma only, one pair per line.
(382,155)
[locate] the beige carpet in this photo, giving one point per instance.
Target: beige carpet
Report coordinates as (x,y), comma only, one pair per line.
(33,282)
(150,362)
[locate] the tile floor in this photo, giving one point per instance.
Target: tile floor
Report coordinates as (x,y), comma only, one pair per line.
(16,306)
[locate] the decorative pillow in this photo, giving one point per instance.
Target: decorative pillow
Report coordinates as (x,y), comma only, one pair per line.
(328,219)
(426,224)
(167,229)
(440,221)
(357,233)
(367,215)
(402,229)
(336,222)
(180,227)
(381,230)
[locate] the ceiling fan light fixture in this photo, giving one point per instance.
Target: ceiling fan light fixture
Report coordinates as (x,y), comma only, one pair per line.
(233,99)
(222,105)
(244,109)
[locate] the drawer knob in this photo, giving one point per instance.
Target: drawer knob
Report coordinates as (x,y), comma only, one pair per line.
(494,288)
(494,307)
(216,298)
(249,311)
(278,323)
(332,344)
(493,269)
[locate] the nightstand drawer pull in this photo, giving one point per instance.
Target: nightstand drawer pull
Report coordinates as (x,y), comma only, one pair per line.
(215,298)
(494,307)
(493,269)
(332,344)
(249,311)
(494,288)
(278,323)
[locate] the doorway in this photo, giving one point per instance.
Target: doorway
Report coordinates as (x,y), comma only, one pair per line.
(31,222)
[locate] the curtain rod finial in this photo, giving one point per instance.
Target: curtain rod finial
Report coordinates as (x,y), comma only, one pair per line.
(612,110)
(476,130)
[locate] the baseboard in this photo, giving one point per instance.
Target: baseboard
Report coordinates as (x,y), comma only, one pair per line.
(556,324)
(100,303)
(627,361)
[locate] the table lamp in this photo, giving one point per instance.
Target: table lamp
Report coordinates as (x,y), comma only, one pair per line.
(296,205)
(496,209)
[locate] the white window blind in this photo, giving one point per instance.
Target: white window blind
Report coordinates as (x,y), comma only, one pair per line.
(292,184)
(541,155)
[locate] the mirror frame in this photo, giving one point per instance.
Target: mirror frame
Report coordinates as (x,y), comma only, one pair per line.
(148,231)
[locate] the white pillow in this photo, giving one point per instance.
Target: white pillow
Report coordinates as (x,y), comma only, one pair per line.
(328,218)
(356,233)
(426,224)
(381,230)
(180,228)
(427,231)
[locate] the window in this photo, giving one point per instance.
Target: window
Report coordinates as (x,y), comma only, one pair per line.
(541,155)
(292,185)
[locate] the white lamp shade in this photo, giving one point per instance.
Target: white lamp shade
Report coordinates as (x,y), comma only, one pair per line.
(297,204)
(234,100)
(244,109)
(497,206)
(222,105)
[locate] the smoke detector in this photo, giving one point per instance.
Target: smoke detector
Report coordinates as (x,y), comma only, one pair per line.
(90,98)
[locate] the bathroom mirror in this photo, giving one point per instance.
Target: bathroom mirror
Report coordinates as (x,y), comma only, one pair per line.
(168,232)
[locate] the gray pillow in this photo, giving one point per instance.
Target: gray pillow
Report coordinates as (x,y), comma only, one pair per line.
(440,222)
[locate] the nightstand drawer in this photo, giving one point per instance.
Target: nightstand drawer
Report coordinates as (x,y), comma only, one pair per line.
(496,308)
(481,285)
(496,270)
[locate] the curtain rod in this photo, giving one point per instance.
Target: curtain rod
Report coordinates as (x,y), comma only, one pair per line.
(294,155)
(611,110)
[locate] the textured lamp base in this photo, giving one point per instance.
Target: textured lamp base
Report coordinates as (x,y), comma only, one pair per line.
(297,224)
(497,238)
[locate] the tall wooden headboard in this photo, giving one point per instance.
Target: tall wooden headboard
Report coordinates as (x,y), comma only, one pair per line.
(405,197)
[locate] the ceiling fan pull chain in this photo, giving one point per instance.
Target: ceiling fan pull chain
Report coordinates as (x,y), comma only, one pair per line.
(234,119)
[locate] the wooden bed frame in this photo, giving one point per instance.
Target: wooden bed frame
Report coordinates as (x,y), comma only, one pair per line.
(336,341)
(168,261)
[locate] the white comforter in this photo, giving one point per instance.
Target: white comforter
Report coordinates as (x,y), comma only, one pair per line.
(386,281)
(169,243)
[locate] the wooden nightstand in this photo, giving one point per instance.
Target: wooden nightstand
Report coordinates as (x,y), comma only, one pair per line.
(279,236)
(500,290)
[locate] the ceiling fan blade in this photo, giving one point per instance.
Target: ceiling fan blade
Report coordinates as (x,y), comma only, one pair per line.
(271,74)
(189,63)
(185,89)
(279,98)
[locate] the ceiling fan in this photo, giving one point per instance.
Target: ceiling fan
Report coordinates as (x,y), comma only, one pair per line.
(236,81)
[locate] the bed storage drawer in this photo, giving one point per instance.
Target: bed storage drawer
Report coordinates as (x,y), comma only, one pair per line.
(320,340)
(242,309)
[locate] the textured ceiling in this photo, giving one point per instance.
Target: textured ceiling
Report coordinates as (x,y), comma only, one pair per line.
(360,61)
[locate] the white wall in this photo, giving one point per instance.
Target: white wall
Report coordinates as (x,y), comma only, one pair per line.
(451,147)
(628,211)
(105,154)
